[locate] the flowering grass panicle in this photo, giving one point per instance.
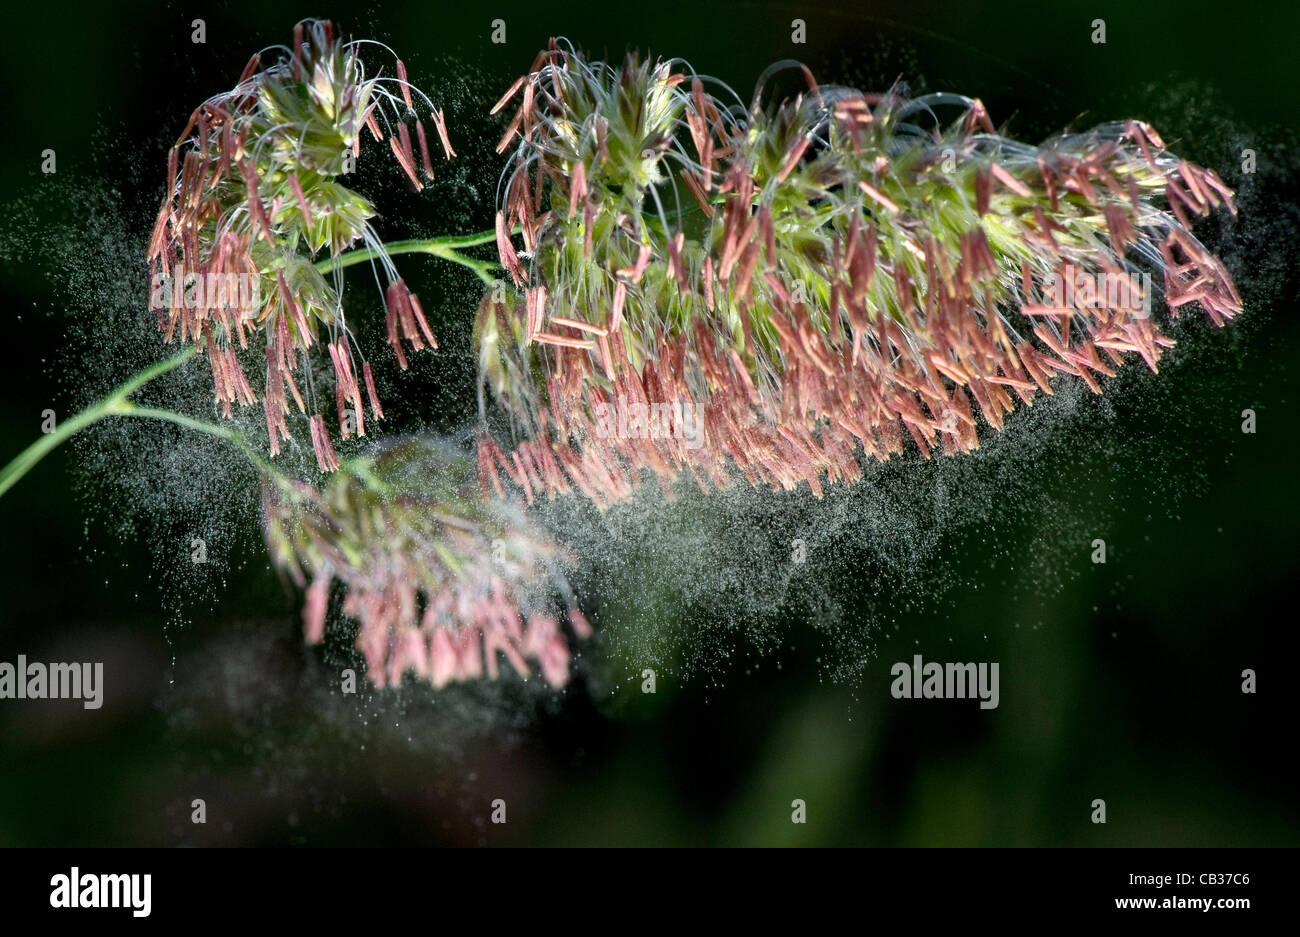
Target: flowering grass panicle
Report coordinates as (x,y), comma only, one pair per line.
(255,196)
(442,582)
(847,272)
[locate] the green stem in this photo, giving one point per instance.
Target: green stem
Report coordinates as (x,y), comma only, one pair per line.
(445,247)
(114,404)
(117,404)
(228,433)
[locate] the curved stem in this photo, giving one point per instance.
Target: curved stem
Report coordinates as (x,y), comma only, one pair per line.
(114,404)
(228,433)
(445,247)
(117,404)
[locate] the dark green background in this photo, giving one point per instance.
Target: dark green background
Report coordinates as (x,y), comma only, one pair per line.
(1118,681)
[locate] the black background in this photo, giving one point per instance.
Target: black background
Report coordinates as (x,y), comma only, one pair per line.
(1119,681)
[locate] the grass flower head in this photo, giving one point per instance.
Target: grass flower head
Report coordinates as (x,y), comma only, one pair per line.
(839,272)
(443,583)
(256,195)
